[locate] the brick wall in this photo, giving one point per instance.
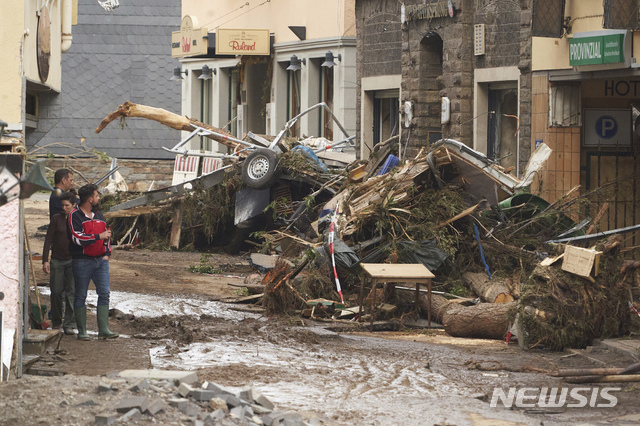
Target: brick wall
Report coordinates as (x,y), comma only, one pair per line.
(137,173)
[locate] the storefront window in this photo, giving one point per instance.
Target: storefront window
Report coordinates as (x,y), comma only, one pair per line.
(293,100)
(206,144)
(234,94)
(326,96)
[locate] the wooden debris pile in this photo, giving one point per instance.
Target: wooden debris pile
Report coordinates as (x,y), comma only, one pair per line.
(495,256)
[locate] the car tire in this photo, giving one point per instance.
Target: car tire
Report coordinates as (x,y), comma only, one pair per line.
(259,170)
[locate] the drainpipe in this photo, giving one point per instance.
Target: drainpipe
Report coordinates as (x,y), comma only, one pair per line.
(66,10)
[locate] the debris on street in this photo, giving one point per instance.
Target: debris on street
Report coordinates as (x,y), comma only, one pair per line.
(506,264)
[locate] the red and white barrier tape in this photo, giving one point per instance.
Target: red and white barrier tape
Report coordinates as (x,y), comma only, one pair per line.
(332,229)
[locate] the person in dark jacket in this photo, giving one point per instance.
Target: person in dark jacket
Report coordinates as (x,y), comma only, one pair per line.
(60,268)
(90,248)
(62,181)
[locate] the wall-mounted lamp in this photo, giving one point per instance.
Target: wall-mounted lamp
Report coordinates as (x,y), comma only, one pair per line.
(177,73)
(328,59)
(207,73)
(11,187)
(294,63)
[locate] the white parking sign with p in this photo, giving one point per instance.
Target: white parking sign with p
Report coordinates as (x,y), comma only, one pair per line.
(607,127)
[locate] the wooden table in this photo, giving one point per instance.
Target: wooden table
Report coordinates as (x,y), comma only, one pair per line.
(402,272)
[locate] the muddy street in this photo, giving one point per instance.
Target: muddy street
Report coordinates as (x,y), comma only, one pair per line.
(173,319)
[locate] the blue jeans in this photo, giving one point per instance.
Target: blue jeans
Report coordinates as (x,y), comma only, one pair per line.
(96,270)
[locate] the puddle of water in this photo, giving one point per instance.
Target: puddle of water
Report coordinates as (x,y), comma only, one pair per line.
(151,306)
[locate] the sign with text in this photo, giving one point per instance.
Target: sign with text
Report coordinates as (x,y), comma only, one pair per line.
(607,127)
(190,40)
(242,42)
(611,88)
(605,49)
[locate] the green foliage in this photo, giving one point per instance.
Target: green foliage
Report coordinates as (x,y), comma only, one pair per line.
(204,267)
(102,156)
(309,202)
(242,292)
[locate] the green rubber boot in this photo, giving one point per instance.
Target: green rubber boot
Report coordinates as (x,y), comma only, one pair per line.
(103,324)
(81,321)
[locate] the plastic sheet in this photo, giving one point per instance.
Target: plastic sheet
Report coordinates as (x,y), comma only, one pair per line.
(425,252)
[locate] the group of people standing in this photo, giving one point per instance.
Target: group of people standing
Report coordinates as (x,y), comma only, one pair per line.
(79,240)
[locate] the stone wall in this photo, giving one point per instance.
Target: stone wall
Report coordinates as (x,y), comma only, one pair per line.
(378,45)
(437,60)
(137,173)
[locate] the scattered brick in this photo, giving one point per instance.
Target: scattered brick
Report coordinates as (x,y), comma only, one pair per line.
(131,414)
(105,419)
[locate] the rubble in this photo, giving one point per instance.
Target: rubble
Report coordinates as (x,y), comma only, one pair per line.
(164,402)
(450,208)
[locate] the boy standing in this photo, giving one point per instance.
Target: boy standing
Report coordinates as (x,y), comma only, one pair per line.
(90,249)
(57,240)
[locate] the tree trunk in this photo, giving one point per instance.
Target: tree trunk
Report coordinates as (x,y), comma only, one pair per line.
(169,119)
(483,321)
(438,306)
(490,291)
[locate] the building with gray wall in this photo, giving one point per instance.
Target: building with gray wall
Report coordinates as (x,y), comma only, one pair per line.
(117,56)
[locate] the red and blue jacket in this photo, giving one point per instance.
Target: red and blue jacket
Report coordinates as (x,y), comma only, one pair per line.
(84,235)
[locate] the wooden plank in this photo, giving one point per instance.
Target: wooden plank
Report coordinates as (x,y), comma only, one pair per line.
(580,261)
(136,211)
(399,272)
(252,298)
(357,174)
(548,261)
(460,215)
(176,227)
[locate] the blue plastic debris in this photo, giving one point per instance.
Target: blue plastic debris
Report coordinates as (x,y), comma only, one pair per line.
(389,164)
(308,152)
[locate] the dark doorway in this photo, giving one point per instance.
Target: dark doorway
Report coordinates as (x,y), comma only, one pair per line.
(386,114)
(502,126)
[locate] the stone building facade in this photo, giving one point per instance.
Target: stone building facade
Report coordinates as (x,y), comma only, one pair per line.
(426,51)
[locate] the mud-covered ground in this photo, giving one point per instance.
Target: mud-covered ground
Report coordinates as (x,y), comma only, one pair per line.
(174,320)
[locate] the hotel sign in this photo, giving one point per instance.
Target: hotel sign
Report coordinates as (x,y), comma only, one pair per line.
(605,49)
(242,42)
(190,40)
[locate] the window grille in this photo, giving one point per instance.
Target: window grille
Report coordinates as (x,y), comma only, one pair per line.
(621,14)
(548,18)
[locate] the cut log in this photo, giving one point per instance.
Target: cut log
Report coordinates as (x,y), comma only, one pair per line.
(490,291)
(622,378)
(438,306)
(483,321)
(167,118)
(572,372)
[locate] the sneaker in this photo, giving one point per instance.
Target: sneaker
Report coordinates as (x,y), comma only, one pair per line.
(69,331)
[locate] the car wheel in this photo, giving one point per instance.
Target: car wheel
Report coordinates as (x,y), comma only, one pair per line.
(259,170)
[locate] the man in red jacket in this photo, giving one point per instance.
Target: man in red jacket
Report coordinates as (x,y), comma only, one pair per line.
(90,248)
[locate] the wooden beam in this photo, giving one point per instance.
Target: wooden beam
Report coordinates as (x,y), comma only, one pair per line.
(176,227)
